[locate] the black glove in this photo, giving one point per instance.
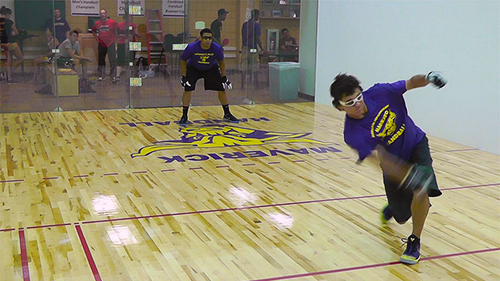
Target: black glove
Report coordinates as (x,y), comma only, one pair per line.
(226,83)
(436,79)
(185,82)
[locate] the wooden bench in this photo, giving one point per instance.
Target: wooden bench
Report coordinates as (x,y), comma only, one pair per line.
(67,81)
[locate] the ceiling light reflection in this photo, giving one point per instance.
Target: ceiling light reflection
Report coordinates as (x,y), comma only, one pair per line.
(121,235)
(105,204)
(281,221)
(241,196)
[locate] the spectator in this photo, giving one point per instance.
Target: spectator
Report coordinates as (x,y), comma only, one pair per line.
(122,39)
(69,50)
(216,26)
(105,32)
(11,47)
(60,25)
(250,32)
(52,43)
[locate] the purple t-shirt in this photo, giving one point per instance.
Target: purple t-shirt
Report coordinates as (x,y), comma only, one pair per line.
(201,59)
(387,123)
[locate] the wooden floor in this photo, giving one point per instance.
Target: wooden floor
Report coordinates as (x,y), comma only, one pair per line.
(127,195)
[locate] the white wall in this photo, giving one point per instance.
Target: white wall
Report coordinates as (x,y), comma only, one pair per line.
(385,41)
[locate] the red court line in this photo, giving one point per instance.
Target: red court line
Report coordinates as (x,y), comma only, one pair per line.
(297,161)
(140,172)
(48,225)
(323,159)
(11,181)
(7,229)
(263,206)
(196,168)
(86,249)
(110,174)
(81,176)
(222,166)
(248,164)
(24,255)
(168,170)
(274,162)
(309,274)
(51,178)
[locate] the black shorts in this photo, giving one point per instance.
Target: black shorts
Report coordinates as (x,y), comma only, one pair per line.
(400,199)
(212,77)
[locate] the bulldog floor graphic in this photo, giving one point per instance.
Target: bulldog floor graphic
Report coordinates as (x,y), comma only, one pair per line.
(215,136)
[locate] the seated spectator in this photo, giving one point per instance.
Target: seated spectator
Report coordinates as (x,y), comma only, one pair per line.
(69,52)
(52,43)
(288,45)
(10,46)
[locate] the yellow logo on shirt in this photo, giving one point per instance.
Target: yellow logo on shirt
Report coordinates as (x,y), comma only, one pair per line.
(384,125)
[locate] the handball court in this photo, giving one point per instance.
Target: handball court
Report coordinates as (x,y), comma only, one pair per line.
(131,195)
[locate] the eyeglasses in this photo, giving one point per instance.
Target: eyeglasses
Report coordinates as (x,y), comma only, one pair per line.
(207,37)
(351,103)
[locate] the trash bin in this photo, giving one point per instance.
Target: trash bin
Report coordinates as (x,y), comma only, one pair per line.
(284,80)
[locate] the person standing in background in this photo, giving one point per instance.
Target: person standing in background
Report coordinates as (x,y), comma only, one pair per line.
(216,26)
(105,32)
(120,43)
(60,25)
(250,32)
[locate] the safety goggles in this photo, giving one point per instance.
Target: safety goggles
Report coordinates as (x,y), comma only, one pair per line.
(351,103)
(207,37)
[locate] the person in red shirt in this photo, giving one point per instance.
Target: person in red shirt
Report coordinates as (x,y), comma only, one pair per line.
(122,39)
(105,32)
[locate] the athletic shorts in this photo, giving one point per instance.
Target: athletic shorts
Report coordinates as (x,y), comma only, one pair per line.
(250,62)
(212,77)
(400,199)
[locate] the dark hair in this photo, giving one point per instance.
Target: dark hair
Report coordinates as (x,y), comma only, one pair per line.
(284,29)
(343,85)
(254,12)
(74,31)
(5,11)
(206,30)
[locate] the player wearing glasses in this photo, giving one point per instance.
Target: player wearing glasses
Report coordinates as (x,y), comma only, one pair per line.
(204,59)
(377,121)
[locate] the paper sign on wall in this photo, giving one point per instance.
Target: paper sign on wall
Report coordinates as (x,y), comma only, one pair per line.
(173,8)
(85,7)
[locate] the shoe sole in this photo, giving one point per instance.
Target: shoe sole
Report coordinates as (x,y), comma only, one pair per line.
(408,260)
(227,120)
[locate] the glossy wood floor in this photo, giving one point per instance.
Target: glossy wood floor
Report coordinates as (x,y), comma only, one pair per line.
(190,205)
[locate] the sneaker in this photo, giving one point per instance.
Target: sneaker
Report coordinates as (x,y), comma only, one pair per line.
(3,76)
(385,214)
(114,80)
(230,118)
(183,121)
(412,253)
(12,81)
(100,78)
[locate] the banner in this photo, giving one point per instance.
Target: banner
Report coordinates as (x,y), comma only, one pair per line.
(121,6)
(173,8)
(85,7)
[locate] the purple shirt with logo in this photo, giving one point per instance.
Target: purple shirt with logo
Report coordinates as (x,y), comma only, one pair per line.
(387,123)
(201,59)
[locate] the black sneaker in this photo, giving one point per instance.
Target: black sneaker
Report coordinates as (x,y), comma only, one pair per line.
(412,252)
(230,118)
(183,121)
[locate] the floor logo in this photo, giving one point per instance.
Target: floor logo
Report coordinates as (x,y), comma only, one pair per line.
(212,136)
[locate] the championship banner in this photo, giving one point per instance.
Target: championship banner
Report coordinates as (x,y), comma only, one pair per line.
(85,7)
(134,4)
(173,8)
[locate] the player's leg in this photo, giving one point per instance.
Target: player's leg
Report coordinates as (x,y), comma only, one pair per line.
(213,81)
(192,76)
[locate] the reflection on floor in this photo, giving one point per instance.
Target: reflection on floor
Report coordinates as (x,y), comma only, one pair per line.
(159,91)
